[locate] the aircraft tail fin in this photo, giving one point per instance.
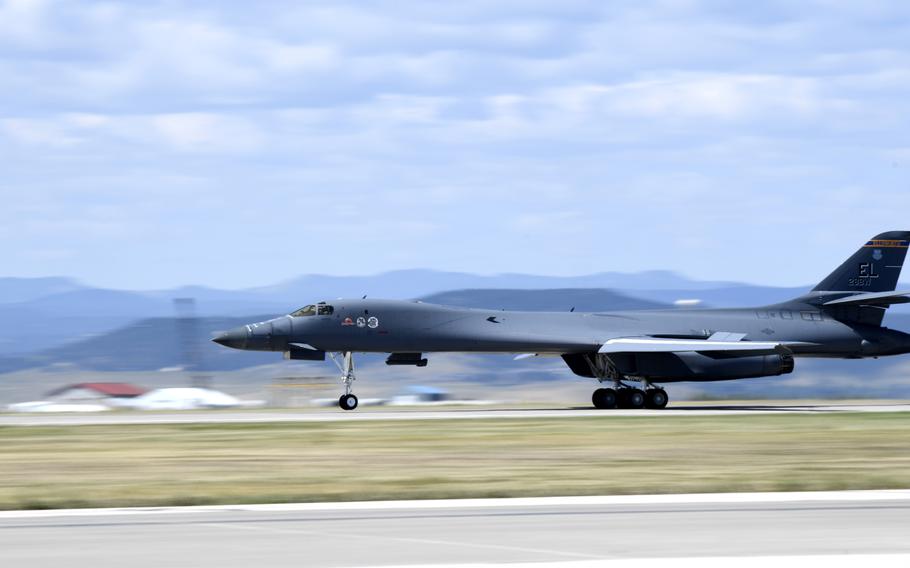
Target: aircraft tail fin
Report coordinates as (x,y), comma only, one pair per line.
(858,291)
(875,267)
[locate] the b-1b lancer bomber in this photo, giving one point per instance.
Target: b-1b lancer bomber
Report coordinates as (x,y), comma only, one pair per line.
(839,318)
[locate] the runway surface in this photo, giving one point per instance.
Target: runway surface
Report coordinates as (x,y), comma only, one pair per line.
(571,530)
(456,413)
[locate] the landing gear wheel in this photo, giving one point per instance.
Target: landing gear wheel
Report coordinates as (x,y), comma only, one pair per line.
(632,398)
(347,402)
(656,399)
(604,399)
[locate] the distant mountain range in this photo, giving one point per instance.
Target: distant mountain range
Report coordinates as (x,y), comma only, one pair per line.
(417,283)
(559,300)
(52,321)
(38,313)
(59,325)
(161,342)
(399,284)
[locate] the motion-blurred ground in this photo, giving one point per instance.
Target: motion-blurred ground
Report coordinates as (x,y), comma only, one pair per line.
(146,465)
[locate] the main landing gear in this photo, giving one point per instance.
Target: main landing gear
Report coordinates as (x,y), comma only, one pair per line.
(621,395)
(629,397)
(347,401)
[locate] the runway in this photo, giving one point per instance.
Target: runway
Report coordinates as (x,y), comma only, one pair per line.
(583,530)
(452,413)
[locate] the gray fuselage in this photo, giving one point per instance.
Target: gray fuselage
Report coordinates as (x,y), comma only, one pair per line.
(393,326)
(841,317)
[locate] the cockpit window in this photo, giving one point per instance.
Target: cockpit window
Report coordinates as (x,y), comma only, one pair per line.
(312,310)
(304,311)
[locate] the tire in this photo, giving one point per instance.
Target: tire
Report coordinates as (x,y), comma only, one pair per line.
(604,399)
(609,398)
(347,402)
(657,399)
(635,398)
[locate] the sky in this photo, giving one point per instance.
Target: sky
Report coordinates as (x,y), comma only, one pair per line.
(146,145)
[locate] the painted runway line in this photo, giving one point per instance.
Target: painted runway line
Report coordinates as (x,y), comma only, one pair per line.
(636,531)
(239,417)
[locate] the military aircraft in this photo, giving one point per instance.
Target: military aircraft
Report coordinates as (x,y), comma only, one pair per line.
(839,318)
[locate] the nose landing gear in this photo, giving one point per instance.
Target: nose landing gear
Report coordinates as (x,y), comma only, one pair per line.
(347,401)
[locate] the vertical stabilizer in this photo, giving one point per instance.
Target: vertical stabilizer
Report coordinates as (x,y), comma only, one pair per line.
(873,268)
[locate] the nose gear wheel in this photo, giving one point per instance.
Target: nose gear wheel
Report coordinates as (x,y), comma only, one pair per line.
(347,401)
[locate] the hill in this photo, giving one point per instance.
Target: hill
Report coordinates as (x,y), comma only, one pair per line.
(13,290)
(41,313)
(559,300)
(155,343)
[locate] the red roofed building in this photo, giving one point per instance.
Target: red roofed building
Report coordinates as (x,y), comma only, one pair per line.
(95,392)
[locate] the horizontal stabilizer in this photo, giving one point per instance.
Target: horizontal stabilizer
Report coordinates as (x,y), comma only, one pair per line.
(872,299)
(656,345)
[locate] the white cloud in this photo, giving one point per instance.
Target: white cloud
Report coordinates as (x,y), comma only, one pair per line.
(899,155)
(397,110)
(86,119)
(441,130)
(729,97)
(207,132)
(298,58)
(22,23)
(38,132)
(195,132)
(682,96)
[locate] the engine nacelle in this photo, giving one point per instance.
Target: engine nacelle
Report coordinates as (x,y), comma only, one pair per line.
(690,366)
(707,368)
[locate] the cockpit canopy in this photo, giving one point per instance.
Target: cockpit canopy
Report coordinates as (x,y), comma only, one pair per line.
(320,309)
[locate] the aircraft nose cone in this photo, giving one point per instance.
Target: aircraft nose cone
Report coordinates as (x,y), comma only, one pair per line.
(235,338)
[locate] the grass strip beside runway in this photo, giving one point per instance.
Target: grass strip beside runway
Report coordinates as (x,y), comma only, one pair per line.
(194,464)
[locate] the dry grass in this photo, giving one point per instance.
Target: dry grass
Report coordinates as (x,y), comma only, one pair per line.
(49,467)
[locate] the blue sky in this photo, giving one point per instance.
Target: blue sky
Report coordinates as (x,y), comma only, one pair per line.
(145,145)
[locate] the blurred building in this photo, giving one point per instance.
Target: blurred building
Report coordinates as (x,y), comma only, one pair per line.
(97,393)
(83,397)
(187,398)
